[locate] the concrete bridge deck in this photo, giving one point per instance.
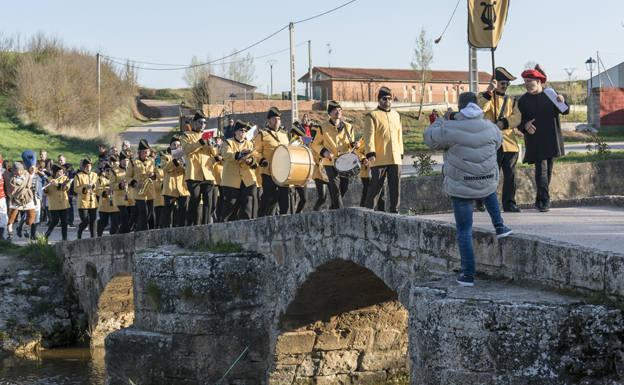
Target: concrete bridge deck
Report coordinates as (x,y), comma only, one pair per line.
(601,228)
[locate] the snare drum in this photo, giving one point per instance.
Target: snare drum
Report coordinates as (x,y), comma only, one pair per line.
(348,165)
(292,165)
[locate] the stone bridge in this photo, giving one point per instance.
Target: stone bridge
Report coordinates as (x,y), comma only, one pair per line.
(348,297)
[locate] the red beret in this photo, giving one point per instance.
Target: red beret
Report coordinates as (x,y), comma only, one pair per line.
(534,74)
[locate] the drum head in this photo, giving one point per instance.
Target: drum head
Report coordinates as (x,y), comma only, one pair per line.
(280,164)
(346,162)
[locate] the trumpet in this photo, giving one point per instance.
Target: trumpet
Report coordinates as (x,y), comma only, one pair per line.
(145,185)
(56,180)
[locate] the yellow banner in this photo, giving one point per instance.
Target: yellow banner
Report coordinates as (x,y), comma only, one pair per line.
(486,19)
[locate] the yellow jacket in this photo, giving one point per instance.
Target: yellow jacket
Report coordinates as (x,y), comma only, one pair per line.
(174,184)
(383,136)
(237,171)
(265,143)
(120,195)
(511,117)
(217,171)
(336,142)
(198,158)
(85,186)
(57,195)
(361,153)
(139,174)
(107,201)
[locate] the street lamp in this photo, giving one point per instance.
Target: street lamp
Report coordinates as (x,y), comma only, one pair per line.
(589,64)
(271,63)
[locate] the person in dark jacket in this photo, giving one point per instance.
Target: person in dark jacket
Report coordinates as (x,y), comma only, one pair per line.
(542,132)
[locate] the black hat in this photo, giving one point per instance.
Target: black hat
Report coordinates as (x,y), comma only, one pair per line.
(85,161)
(123,155)
(297,129)
(240,125)
(56,168)
(174,138)
(143,145)
(501,73)
(113,158)
(332,105)
(198,116)
(384,91)
(273,111)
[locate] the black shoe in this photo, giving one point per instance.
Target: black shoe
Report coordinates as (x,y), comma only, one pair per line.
(18,231)
(480,206)
(512,209)
(544,208)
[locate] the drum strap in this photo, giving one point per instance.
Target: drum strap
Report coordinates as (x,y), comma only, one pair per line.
(274,136)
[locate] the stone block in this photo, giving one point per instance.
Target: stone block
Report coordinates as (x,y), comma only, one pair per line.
(377,361)
(334,340)
(338,362)
(295,342)
(387,339)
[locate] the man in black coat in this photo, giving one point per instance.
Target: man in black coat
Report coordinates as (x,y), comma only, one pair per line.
(542,132)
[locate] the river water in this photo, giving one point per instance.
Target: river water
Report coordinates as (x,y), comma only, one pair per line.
(70,366)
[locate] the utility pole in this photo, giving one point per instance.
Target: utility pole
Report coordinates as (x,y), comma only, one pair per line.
(293,84)
(473,71)
(310,88)
(271,63)
(99,95)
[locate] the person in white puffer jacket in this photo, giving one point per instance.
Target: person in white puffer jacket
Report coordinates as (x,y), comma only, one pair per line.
(470,170)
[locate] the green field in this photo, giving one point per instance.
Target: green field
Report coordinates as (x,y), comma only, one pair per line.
(16,137)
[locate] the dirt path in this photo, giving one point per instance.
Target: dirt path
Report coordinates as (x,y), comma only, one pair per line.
(154,130)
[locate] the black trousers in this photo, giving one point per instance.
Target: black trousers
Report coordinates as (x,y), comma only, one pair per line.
(238,202)
(158,213)
(298,198)
(105,218)
(272,195)
(124,219)
(200,190)
(338,187)
(144,210)
(87,219)
(219,205)
(381,202)
(507,163)
(174,212)
(378,179)
(70,211)
(321,194)
(57,216)
(543,175)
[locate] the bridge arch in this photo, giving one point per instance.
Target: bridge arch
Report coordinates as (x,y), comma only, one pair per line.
(343,324)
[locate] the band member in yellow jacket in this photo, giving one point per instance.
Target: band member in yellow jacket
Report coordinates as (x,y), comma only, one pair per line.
(121,193)
(239,179)
(141,175)
(299,138)
(265,143)
(175,191)
(199,176)
(108,211)
(58,201)
(335,137)
(85,185)
(502,109)
(159,199)
(383,139)
(365,178)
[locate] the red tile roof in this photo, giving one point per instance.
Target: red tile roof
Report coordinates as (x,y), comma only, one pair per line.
(340,73)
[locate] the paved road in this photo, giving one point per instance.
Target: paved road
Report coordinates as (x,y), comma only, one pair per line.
(598,227)
(154,130)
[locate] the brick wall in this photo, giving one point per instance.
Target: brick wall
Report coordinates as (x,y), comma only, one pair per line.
(251,106)
(612,106)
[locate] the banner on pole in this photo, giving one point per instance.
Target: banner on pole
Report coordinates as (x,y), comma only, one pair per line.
(486,20)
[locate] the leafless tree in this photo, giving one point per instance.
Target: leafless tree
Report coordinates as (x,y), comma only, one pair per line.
(241,69)
(198,78)
(423,57)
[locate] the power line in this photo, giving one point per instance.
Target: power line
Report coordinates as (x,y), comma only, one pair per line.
(325,13)
(176,68)
(186,66)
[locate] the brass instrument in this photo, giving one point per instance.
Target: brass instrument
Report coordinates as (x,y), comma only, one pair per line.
(145,185)
(52,181)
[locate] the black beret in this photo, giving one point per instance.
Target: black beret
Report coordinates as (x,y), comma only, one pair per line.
(198,115)
(273,111)
(297,129)
(143,145)
(384,91)
(174,138)
(85,161)
(56,168)
(501,73)
(332,105)
(123,155)
(113,158)
(240,125)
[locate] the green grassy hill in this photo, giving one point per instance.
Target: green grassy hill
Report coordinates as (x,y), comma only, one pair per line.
(16,137)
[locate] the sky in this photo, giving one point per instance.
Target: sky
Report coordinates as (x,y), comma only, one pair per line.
(558,34)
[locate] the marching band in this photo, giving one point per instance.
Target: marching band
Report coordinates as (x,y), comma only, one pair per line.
(199,179)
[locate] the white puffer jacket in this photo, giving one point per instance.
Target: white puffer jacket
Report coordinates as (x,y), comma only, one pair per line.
(470,144)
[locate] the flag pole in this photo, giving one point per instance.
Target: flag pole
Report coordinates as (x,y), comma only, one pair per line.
(494,97)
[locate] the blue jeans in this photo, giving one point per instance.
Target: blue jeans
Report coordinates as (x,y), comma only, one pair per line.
(463,209)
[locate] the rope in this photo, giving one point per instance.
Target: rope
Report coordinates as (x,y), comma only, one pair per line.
(436,41)
(232,366)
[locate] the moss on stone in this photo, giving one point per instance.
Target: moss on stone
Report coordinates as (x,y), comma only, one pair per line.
(154,293)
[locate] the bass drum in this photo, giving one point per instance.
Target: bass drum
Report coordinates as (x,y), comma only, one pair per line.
(292,165)
(348,165)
